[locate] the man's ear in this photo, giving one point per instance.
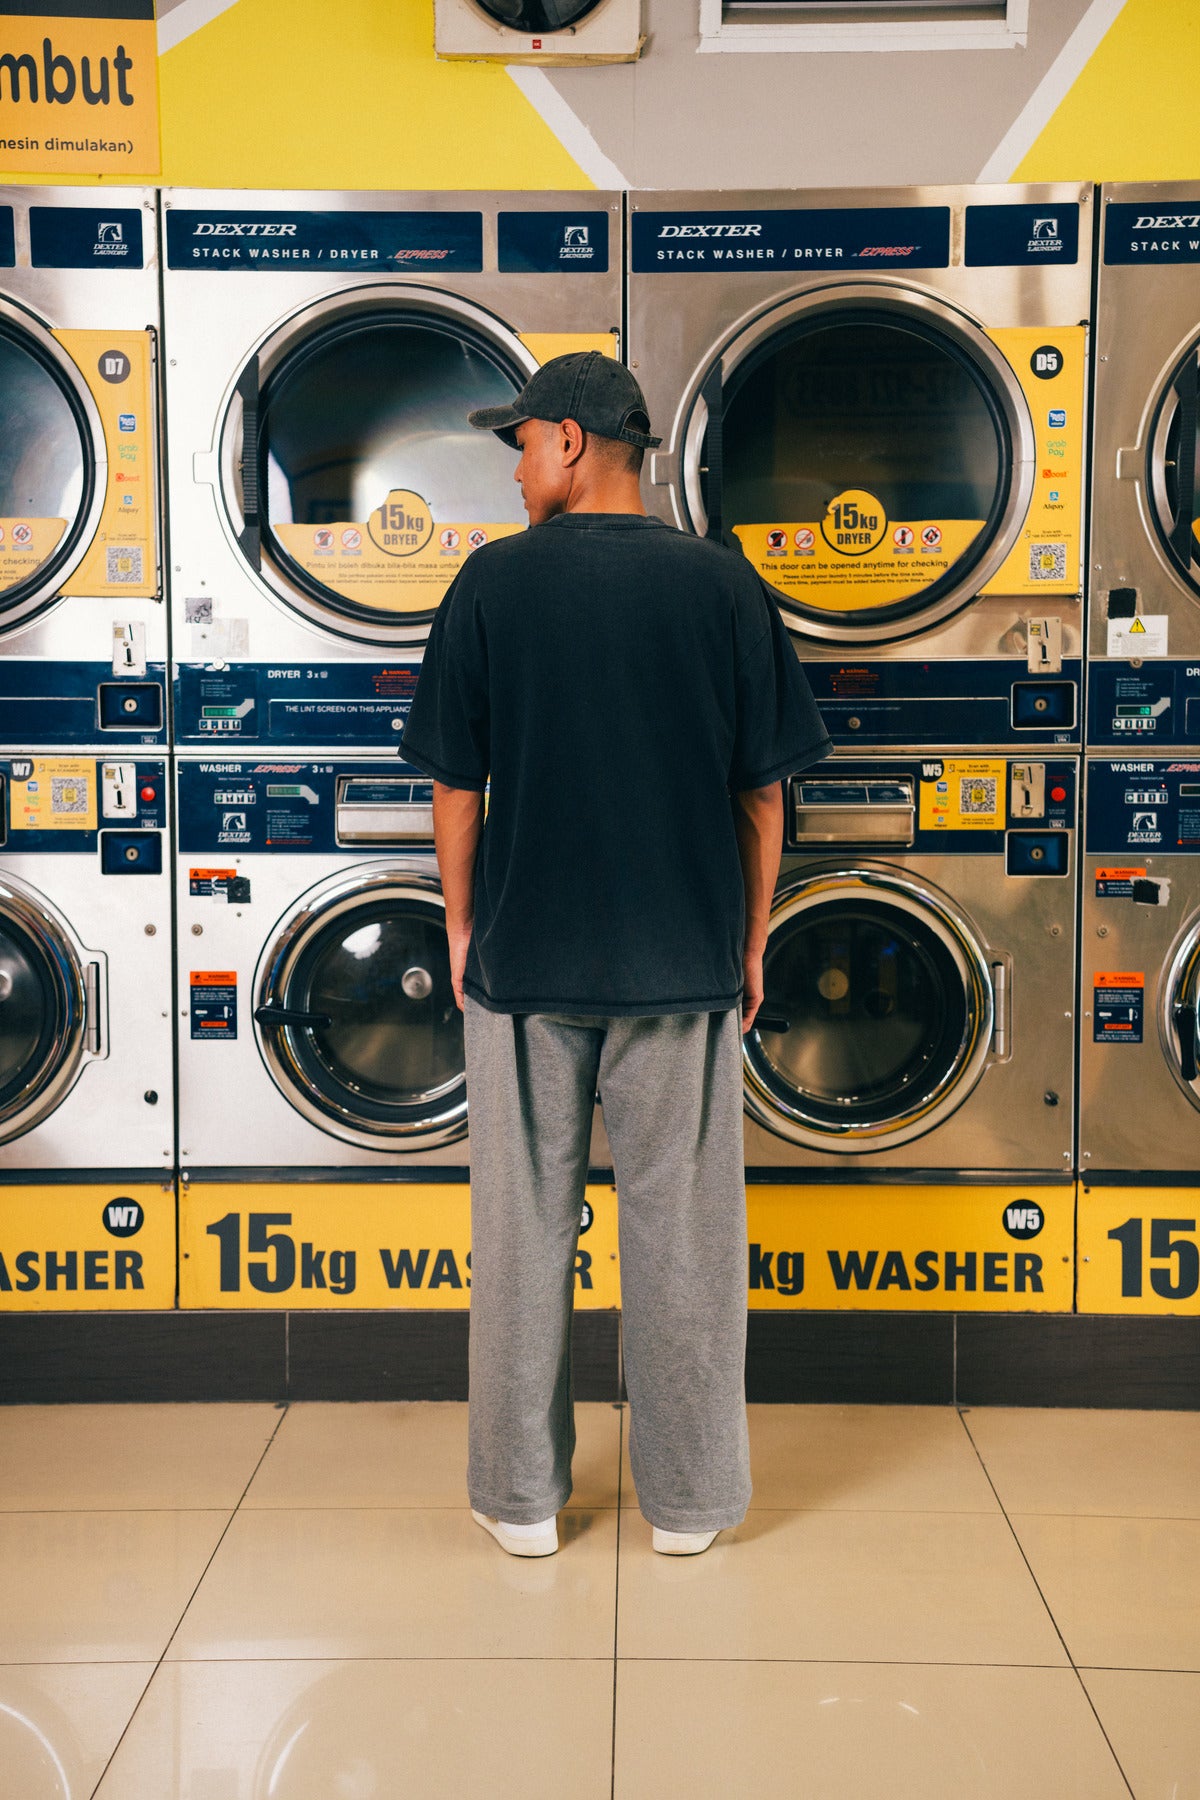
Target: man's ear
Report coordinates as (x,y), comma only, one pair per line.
(572,441)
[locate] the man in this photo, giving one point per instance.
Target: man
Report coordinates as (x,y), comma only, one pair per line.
(631,694)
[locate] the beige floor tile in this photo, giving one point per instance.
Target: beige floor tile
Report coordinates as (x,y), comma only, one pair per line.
(384,1730)
(895,1587)
(1124,1592)
(74,1458)
(1129,1464)
(60,1722)
(1153,1724)
(845,1731)
(408,1454)
(410,1582)
(859,1459)
(98,1586)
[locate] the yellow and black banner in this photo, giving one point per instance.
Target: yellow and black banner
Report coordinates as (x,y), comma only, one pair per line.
(87,1247)
(79,87)
(1139,1250)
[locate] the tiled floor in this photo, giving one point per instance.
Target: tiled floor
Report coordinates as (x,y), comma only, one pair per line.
(244,1603)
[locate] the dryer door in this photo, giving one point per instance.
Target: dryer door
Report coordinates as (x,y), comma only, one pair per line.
(52,459)
(356,1016)
(871,452)
(352,481)
(878,1015)
(1171,476)
(49,1010)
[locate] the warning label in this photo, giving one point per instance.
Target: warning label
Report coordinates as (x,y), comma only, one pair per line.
(1118,998)
(213,1003)
(1117,884)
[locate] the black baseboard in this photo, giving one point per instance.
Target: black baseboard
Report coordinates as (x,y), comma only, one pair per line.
(930,1359)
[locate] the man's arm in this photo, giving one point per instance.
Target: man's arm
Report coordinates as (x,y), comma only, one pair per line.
(457,826)
(758,820)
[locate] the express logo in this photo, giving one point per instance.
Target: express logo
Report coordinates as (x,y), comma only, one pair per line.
(412,255)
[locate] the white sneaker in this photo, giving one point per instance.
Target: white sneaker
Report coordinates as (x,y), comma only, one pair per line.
(522,1540)
(681,1543)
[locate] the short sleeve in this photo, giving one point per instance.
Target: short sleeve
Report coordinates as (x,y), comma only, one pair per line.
(779,729)
(448,729)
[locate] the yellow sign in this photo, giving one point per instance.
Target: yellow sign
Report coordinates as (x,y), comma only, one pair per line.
(118,368)
(59,795)
(855,557)
(25,544)
(969,795)
(103,1247)
(547,344)
(354,1244)
(911,1249)
(1139,1249)
(79,93)
(1045,558)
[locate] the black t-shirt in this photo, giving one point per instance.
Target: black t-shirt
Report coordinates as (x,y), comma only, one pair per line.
(616,680)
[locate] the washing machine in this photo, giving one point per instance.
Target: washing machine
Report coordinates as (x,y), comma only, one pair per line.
(1139,1119)
(1144,636)
(325,486)
(83,633)
(880,398)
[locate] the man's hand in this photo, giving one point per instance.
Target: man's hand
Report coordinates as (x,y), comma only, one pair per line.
(752,988)
(460,943)
(457,826)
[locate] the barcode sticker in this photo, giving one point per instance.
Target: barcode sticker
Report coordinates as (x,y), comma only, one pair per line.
(68,795)
(1047,562)
(123,563)
(977,794)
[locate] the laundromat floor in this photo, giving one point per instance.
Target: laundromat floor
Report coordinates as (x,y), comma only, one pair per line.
(244,1602)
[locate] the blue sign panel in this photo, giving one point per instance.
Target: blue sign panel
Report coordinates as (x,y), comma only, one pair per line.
(85,237)
(543,242)
(281,806)
(425,243)
(1137,808)
(8,242)
(943,703)
(1005,236)
(1150,233)
(866,237)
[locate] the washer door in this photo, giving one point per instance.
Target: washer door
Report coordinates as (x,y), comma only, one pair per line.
(1171,476)
(871,452)
(353,483)
(51,461)
(356,1016)
(1179,1015)
(49,1009)
(878,1015)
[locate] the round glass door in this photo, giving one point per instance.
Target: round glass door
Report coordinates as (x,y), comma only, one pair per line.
(538,15)
(1179,1019)
(43,1008)
(357,1018)
(367,489)
(877,1019)
(1172,472)
(872,459)
(47,470)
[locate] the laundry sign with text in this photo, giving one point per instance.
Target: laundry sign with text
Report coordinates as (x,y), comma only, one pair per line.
(79,87)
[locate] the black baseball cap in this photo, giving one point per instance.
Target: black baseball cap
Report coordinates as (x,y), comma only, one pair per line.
(595,390)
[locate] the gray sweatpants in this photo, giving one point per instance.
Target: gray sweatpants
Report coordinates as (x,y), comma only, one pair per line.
(671,1089)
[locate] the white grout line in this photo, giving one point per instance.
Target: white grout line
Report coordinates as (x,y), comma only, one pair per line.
(188,17)
(566,125)
(1050,91)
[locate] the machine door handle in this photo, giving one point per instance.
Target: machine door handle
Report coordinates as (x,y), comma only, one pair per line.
(250,536)
(1184,1020)
(91,989)
(767,1021)
(713,395)
(290,1015)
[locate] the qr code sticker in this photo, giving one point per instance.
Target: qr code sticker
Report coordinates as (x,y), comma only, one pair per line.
(123,564)
(977,794)
(1047,562)
(68,794)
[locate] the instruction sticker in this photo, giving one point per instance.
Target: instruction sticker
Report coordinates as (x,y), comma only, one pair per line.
(1118,1006)
(399,560)
(1143,636)
(122,558)
(1117,884)
(59,795)
(213,1003)
(969,795)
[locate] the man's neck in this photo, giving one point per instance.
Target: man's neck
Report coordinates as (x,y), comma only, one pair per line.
(608,494)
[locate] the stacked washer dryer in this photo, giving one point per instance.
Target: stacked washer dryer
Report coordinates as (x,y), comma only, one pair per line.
(880,399)
(1139,1087)
(325,487)
(86,1081)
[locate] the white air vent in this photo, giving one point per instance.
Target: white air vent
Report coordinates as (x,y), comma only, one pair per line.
(539,31)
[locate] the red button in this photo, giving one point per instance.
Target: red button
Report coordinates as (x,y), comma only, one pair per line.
(1058,793)
(149,793)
